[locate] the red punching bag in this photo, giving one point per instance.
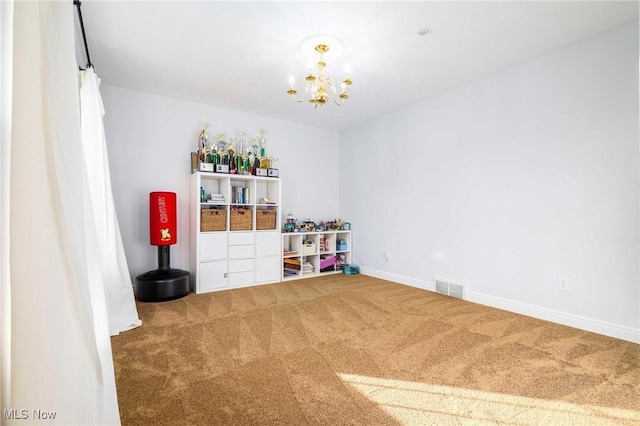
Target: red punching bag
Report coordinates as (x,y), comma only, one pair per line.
(163,230)
(165,283)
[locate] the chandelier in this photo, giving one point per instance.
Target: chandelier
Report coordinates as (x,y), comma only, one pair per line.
(320,90)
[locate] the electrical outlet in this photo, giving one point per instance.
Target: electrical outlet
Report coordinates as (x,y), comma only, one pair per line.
(563,283)
(387,256)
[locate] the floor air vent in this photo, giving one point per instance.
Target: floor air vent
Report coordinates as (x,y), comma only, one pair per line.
(449,289)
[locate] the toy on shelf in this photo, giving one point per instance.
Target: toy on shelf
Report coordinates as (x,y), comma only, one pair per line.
(290,225)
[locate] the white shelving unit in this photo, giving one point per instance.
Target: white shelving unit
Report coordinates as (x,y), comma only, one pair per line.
(233,256)
(311,254)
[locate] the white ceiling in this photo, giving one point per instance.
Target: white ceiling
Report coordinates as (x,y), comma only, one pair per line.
(239,55)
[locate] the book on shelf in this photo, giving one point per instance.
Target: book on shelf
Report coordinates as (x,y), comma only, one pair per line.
(292,266)
(292,261)
(289,253)
(240,195)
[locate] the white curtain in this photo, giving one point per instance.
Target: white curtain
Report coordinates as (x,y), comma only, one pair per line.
(121,306)
(55,271)
(6,44)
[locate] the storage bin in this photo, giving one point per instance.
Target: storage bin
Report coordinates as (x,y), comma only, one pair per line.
(240,220)
(329,261)
(213,220)
(309,248)
(266,219)
(350,269)
(341,245)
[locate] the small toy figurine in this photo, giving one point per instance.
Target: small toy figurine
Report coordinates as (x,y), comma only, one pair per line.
(290,226)
(309,225)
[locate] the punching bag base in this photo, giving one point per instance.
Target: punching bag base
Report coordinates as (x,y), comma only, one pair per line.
(162,285)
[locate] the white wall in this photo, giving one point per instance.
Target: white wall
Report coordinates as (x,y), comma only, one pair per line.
(509,182)
(150,138)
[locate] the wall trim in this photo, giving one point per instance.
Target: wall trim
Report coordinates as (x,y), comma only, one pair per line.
(600,327)
(400,279)
(576,321)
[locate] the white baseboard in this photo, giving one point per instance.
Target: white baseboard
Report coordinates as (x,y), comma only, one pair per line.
(601,327)
(400,279)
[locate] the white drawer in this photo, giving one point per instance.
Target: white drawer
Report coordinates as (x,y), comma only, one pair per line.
(213,246)
(241,252)
(241,265)
(241,278)
(241,238)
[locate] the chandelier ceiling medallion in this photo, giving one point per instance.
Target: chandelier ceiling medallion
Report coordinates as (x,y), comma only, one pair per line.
(320,89)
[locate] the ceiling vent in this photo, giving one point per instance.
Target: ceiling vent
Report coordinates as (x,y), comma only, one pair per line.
(449,289)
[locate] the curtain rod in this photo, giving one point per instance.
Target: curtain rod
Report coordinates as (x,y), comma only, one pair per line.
(84,37)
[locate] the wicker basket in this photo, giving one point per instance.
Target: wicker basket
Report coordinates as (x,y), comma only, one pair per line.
(266,219)
(240,220)
(213,220)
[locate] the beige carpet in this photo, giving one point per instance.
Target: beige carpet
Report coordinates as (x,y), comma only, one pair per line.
(359,350)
